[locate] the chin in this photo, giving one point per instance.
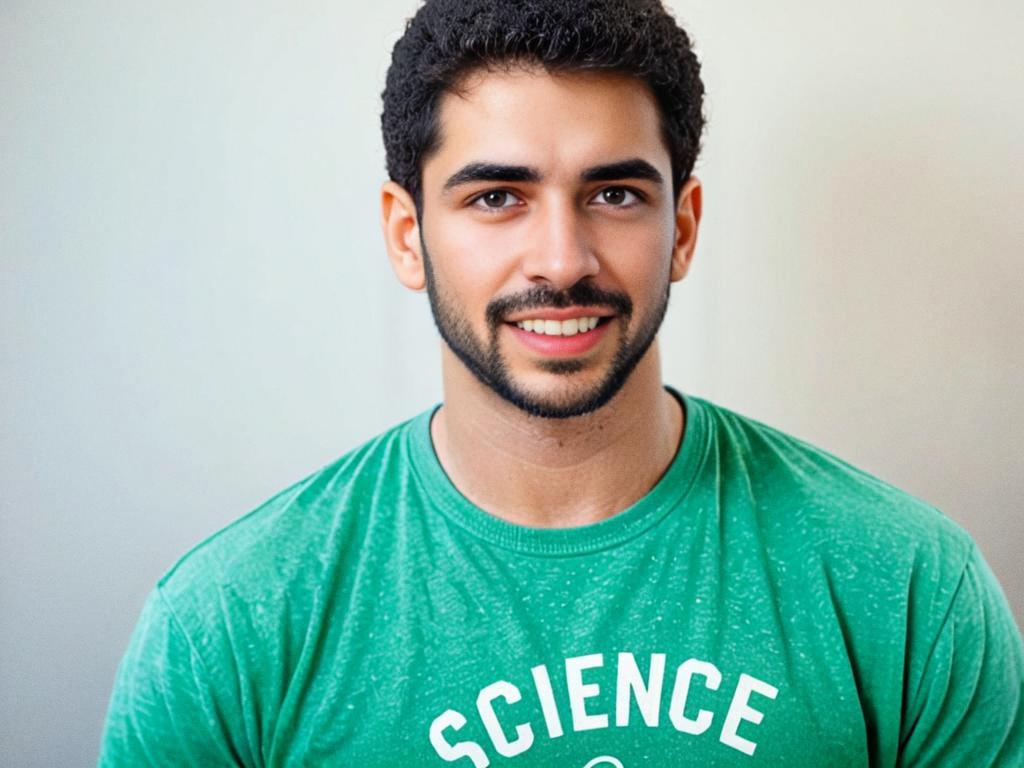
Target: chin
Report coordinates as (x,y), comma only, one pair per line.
(567,401)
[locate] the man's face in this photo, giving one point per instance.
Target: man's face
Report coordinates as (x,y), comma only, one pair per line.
(547,232)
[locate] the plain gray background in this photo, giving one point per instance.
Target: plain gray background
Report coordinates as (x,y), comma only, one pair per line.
(197,309)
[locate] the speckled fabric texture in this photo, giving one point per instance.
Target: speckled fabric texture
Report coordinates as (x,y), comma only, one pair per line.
(765,604)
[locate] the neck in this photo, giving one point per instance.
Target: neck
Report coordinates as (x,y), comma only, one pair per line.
(556,473)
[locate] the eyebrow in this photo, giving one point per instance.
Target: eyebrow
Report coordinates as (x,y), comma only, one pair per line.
(626,169)
(634,168)
(491,172)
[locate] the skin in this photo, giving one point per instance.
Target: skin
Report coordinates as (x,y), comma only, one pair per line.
(499,238)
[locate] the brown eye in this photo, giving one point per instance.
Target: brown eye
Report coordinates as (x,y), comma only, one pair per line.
(496,198)
(614,195)
(620,197)
(495,201)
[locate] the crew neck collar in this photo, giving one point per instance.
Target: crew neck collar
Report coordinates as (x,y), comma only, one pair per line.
(647,512)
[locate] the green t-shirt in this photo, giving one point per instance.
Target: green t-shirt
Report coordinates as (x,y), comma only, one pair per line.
(764,604)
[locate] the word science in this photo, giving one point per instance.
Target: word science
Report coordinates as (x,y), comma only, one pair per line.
(500,707)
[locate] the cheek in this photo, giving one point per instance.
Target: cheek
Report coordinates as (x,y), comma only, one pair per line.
(637,256)
(472,259)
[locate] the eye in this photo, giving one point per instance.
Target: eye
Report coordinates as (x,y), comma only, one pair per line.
(621,197)
(495,200)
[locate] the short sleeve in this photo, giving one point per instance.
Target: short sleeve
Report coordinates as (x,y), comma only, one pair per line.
(162,711)
(967,709)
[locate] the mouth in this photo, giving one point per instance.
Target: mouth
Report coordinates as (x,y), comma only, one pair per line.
(547,334)
(570,327)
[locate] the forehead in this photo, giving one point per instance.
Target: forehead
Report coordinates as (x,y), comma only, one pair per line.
(556,122)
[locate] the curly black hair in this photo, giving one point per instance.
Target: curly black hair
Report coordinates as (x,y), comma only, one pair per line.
(446,39)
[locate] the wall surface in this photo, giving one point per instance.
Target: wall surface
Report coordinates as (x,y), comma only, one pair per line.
(196,308)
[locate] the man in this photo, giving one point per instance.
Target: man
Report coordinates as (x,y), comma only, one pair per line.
(566,563)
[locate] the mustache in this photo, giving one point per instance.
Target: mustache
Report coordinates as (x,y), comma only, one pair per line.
(541,296)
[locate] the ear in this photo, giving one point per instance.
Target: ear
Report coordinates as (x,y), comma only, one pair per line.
(688,211)
(402,235)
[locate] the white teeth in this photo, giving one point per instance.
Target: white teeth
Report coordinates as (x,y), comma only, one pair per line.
(559,327)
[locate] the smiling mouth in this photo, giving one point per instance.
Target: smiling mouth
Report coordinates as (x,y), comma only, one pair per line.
(572,337)
(570,327)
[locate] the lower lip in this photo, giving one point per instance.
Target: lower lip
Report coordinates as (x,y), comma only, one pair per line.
(560,346)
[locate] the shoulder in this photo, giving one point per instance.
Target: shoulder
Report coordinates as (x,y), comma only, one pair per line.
(804,494)
(294,536)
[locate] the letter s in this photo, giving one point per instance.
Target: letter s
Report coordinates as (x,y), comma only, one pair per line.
(451,752)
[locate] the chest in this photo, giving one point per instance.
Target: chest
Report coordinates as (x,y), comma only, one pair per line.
(574,666)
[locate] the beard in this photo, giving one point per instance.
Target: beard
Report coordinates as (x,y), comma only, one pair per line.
(484,360)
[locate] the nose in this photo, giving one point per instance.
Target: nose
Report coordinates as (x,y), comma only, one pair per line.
(559,254)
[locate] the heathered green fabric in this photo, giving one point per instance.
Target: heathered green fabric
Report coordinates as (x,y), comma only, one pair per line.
(763,598)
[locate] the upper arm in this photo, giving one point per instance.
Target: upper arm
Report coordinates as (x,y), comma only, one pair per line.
(164,710)
(967,708)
